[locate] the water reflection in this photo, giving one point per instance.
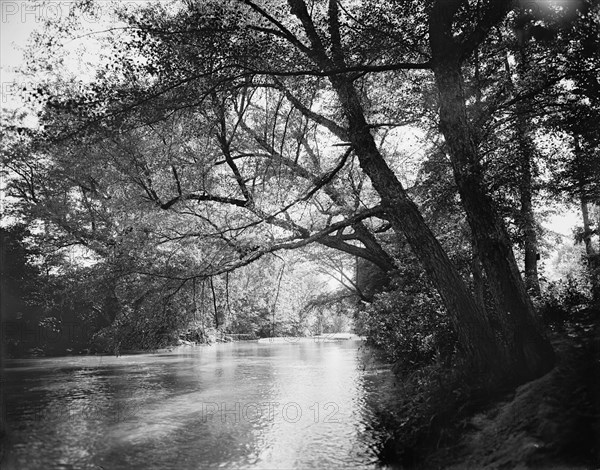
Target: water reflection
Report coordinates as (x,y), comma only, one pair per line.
(242,405)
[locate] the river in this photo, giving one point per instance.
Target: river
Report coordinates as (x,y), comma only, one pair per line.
(289,405)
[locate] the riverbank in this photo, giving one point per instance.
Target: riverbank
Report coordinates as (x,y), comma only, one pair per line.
(552,422)
(184,341)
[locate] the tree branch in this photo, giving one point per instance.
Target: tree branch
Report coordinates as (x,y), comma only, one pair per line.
(494,12)
(317,51)
(334,33)
(284,31)
(201,197)
(332,70)
(332,126)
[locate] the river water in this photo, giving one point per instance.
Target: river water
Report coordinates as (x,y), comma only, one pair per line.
(298,405)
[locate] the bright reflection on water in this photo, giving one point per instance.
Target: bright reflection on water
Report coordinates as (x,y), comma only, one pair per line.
(240,405)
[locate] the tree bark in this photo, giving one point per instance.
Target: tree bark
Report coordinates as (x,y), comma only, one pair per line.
(525,179)
(530,353)
(527,221)
(474,331)
(478,282)
(583,198)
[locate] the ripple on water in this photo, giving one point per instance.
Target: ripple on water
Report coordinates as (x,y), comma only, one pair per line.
(198,410)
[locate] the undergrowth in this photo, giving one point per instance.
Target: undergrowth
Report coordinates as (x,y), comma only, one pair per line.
(555,418)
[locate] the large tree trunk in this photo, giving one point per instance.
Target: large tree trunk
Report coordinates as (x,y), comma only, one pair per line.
(527,217)
(525,159)
(474,331)
(529,351)
(583,198)
(478,281)
(525,351)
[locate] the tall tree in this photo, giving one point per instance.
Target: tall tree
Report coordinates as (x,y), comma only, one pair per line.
(345,52)
(572,110)
(475,332)
(450,47)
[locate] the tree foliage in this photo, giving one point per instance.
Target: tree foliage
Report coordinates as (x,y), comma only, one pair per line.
(207,136)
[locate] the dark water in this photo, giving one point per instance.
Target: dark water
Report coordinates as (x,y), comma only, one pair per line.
(240,405)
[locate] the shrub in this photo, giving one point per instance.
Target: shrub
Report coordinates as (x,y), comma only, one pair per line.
(409,325)
(563,303)
(152,326)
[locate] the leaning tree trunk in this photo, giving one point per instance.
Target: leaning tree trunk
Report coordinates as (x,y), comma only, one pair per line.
(475,334)
(477,273)
(530,353)
(525,350)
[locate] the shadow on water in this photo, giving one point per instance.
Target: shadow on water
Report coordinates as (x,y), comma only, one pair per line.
(237,405)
